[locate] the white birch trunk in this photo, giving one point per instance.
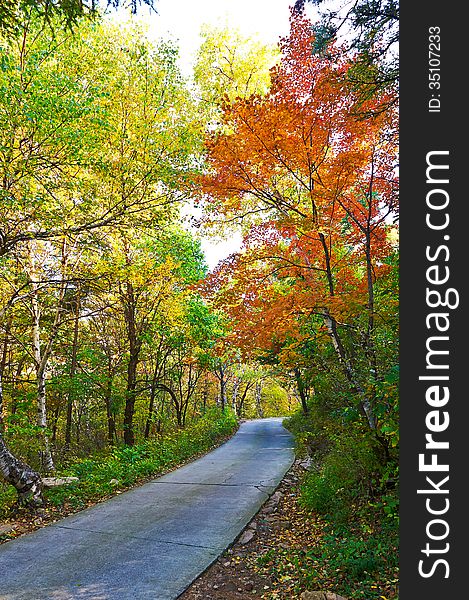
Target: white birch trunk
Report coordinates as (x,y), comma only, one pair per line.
(27,482)
(40,362)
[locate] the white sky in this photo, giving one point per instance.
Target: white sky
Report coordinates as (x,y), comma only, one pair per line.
(181,20)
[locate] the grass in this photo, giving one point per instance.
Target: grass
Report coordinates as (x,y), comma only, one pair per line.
(106,473)
(355,551)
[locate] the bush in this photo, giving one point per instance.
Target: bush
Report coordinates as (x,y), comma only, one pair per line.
(343,479)
(130,465)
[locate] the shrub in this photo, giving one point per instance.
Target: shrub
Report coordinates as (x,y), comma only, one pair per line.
(343,479)
(129,465)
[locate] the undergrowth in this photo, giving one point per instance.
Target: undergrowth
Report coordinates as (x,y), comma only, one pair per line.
(122,467)
(354,492)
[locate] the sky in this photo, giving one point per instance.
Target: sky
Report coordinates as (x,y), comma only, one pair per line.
(181,20)
(268,19)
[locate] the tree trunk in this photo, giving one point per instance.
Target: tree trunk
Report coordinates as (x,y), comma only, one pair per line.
(178,409)
(151,408)
(205,394)
(331,323)
(240,406)
(3,363)
(110,417)
(55,423)
(25,480)
(73,369)
(111,423)
(129,437)
(234,396)
(223,392)
(301,391)
(365,404)
(258,395)
(41,386)
(41,357)
(134,352)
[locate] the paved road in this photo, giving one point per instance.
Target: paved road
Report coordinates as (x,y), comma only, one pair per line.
(151,542)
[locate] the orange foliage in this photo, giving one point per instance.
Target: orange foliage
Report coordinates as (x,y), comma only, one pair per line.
(316,185)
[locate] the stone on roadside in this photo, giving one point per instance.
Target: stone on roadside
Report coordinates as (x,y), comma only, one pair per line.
(230,587)
(306,463)
(276,497)
(313,596)
(320,596)
(6,528)
(49,482)
(246,536)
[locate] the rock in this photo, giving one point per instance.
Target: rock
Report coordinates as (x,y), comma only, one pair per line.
(320,596)
(275,498)
(246,536)
(306,463)
(6,528)
(49,482)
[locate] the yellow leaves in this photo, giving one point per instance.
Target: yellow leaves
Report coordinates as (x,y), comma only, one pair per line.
(230,65)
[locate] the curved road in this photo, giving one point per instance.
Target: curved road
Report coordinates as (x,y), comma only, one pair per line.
(151,542)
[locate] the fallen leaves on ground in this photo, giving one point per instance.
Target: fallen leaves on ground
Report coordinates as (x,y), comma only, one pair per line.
(282,558)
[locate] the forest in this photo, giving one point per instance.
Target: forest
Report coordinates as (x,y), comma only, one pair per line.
(121,352)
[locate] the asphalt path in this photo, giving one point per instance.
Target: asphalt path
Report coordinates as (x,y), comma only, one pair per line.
(151,542)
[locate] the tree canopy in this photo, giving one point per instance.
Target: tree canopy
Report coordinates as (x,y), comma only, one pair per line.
(55,13)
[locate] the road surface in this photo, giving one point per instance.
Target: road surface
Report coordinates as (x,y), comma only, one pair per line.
(151,542)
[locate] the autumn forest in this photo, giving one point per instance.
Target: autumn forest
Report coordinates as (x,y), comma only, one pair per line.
(121,352)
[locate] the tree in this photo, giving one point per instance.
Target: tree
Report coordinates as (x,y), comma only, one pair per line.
(230,66)
(315,185)
(26,481)
(370,30)
(81,150)
(96,128)
(54,13)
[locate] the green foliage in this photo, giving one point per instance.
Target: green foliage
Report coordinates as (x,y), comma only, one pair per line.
(343,479)
(8,497)
(128,466)
(55,14)
(357,554)
(354,493)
